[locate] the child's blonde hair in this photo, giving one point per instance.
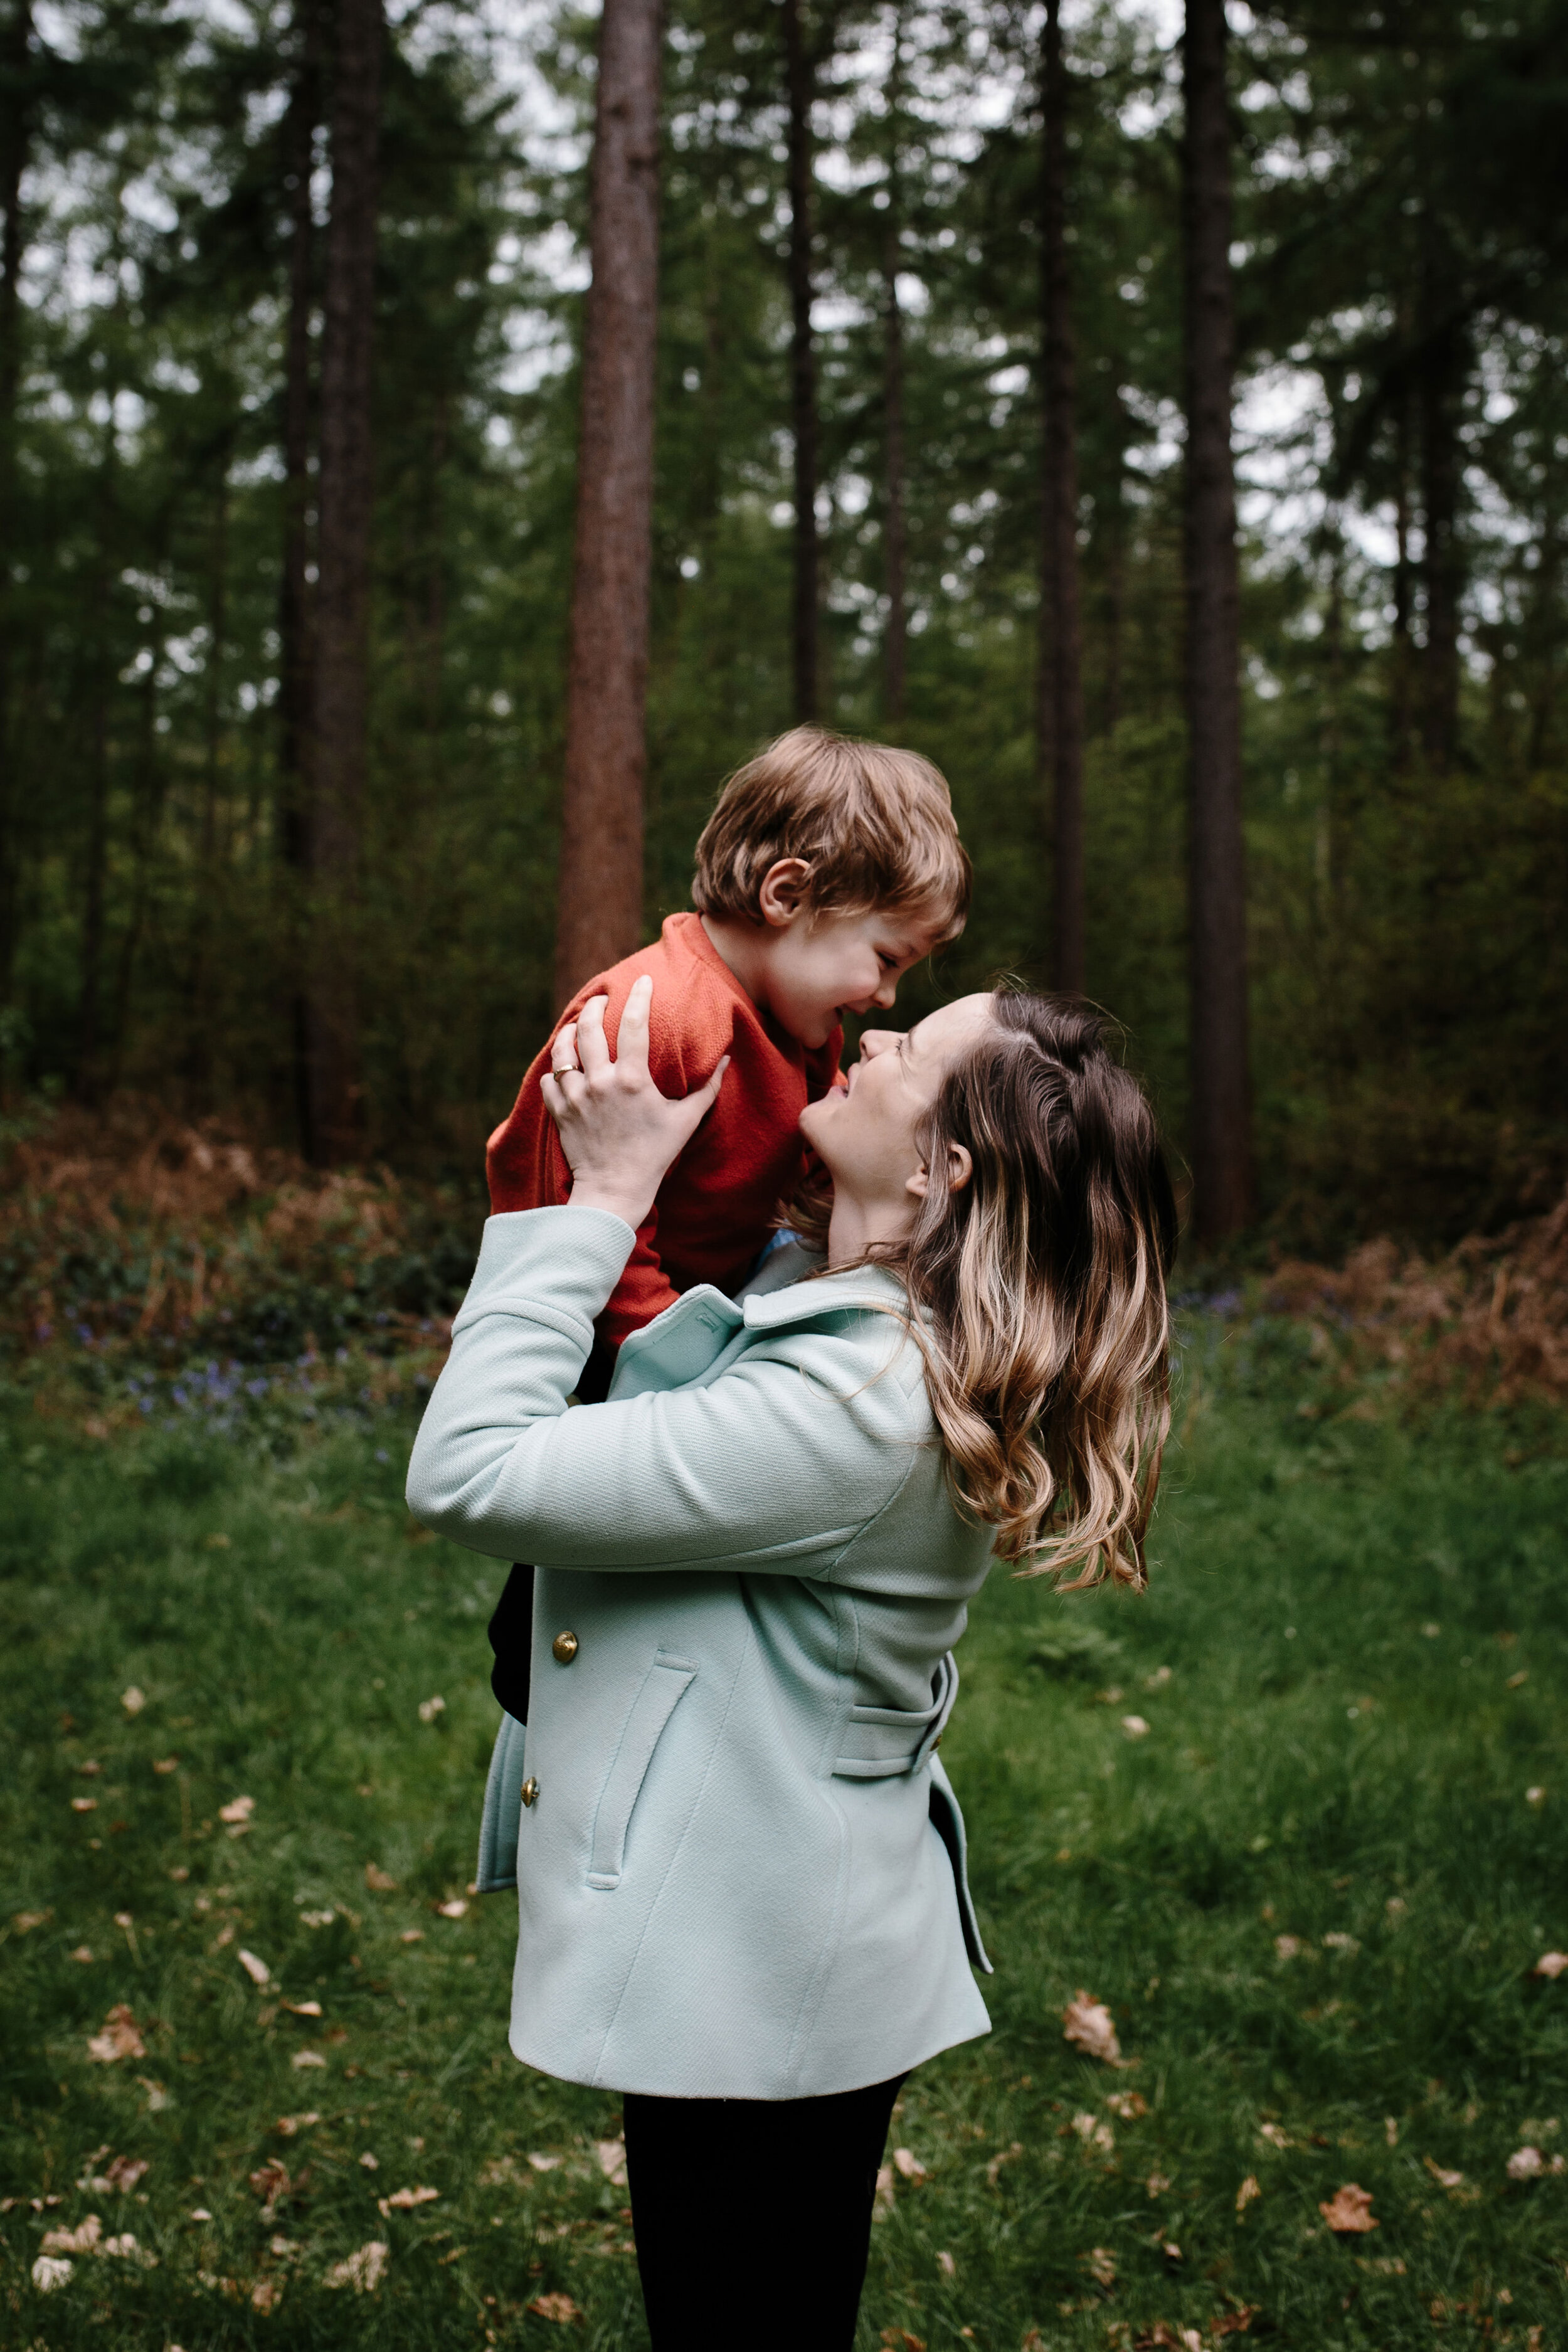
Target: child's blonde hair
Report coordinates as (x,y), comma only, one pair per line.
(873,825)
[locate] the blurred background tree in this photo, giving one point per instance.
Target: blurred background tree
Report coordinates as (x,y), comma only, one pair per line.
(858,387)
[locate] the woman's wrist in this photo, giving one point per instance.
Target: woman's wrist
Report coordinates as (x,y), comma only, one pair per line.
(616,1200)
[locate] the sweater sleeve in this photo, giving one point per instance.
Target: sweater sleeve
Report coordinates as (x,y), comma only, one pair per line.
(776,1465)
(526,1169)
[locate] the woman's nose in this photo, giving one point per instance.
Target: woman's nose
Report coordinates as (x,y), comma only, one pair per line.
(877,1040)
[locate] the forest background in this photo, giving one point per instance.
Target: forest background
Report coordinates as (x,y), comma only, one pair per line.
(1401,432)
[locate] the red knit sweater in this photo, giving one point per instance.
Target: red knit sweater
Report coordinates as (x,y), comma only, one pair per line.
(715,1208)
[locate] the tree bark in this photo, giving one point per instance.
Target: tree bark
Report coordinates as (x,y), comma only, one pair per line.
(800,73)
(294,615)
(1442,393)
(1220,1117)
(896,641)
(346,497)
(599,909)
(1060,689)
(16,142)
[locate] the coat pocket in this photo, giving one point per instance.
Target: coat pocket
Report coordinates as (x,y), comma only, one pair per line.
(664,1686)
(880,1742)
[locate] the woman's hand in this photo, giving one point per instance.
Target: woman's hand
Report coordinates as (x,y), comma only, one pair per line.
(618,1132)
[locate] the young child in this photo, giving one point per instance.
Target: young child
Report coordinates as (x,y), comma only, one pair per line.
(828,868)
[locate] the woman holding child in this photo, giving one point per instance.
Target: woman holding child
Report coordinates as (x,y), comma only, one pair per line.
(740,1863)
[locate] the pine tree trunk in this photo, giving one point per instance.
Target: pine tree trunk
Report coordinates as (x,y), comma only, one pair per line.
(600,910)
(343,598)
(15,139)
(800,80)
(1220,1116)
(294,616)
(1060,693)
(896,641)
(1442,393)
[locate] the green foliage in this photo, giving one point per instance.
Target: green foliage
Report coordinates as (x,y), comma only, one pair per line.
(1400,287)
(1351,1662)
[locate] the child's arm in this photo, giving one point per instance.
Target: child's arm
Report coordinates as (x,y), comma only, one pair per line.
(527,1169)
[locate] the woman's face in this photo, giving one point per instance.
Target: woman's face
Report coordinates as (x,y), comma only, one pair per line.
(865,1130)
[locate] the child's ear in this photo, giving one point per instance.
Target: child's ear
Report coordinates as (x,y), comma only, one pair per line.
(782,893)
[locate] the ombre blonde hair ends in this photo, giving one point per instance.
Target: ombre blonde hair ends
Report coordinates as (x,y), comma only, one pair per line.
(1039,1292)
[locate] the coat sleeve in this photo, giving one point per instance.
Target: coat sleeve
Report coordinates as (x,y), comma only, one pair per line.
(777,1463)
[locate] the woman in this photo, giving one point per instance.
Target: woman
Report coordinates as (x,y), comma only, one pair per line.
(740,1865)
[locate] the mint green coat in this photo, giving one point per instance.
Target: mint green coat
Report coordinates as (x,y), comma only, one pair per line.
(740,1865)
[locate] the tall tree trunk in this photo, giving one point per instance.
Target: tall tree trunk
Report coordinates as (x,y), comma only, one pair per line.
(896,641)
(599,916)
(199,1039)
(1221,1123)
(343,598)
(15,140)
(1402,652)
(294,615)
(1060,691)
(1442,393)
(800,74)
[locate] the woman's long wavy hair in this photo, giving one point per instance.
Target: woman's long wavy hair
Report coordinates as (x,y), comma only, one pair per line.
(1040,1291)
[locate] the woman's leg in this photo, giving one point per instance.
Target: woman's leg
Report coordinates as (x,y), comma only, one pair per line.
(753,2217)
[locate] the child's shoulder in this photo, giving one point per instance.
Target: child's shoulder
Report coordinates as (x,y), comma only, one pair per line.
(695,997)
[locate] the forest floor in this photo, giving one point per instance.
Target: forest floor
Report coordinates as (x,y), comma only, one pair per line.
(1298,1819)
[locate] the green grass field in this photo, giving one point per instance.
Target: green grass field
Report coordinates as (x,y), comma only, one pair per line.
(1352,1665)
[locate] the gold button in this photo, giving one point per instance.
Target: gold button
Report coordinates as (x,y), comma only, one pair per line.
(563,1648)
(530,1789)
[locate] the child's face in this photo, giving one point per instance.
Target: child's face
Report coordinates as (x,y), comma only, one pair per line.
(813,968)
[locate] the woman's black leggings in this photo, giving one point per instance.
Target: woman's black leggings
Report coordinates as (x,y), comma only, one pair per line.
(753,2217)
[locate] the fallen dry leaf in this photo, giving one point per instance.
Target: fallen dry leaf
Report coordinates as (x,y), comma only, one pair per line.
(1525,2163)
(1128,2104)
(238,1809)
(1289,1948)
(266,2294)
(429,1709)
(907,2166)
(1338,1941)
(1250,2189)
(1134,1726)
(403,2200)
(82,1954)
(1086,2023)
(50,2271)
(946,2264)
(302,2008)
(133,1700)
(1550,1964)
(1444,2179)
(611,2156)
(412,1936)
(157,2096)
(1535,1796)
(899,2339)
(307,2058)
(545,2163)
(1274,2134)
(1004,2156)
(288,2125)
(121,2038)
(84,1804)
(559,2307)
(885,2194)
(25,1921)
(270,2180)
(165,1764)
(82,2239)
(1157,2184)
(362,2271)
(379,1881)
(1101,2263)
(455,1908)
(317,1918)
(1349,2212)
(255,1968)
(1234,2322)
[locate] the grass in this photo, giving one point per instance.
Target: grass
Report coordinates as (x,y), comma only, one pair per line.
(1352,1664)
